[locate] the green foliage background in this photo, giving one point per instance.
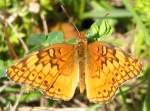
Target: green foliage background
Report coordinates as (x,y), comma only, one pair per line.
(22,22)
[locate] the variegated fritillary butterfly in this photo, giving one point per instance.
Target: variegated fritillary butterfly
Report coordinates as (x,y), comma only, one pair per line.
(56,70)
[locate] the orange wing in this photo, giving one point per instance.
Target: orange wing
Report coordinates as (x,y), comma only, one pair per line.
(106,69)
(52,70)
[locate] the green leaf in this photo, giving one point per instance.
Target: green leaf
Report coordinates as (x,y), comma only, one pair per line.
(71,41)
(32,96)
(36,39)
(113,13)
(12,89)
(46,4)
(55,37)
(100,28)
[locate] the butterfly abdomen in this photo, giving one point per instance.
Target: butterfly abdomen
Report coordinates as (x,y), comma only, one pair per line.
(82,48)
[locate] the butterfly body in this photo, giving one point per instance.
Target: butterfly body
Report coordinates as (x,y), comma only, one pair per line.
(58,69)
(82,49)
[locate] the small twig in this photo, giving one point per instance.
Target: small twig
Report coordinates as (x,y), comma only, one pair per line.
(20,39)
(65,12)
(11,51)
(43,101)
(6,84)
(49,109)
(3,87)
(8,22)
(79,103)
(17,101)
(44,23)
(106,107)
(5,22)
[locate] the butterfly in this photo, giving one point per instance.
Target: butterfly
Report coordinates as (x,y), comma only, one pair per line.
(58,69)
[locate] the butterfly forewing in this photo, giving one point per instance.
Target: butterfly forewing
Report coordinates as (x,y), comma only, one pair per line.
(106,69)
(53,70)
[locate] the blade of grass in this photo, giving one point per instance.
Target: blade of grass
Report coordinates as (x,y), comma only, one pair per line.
(146,104)
(124,100)
(114,13)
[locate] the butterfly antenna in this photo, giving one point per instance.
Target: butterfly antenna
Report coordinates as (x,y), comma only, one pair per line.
(70,20)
